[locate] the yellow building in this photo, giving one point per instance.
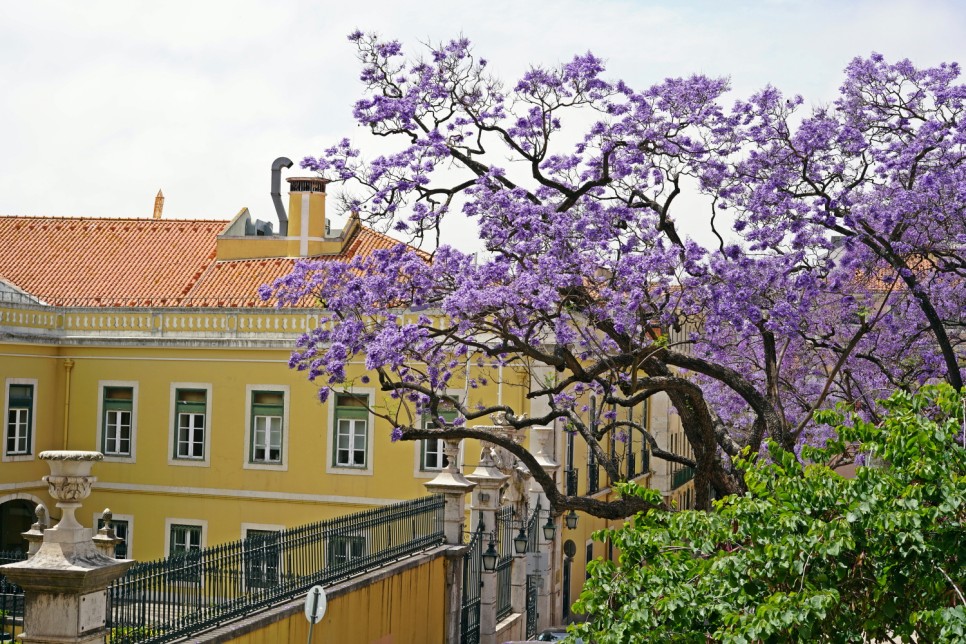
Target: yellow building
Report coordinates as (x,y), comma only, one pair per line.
(145,339)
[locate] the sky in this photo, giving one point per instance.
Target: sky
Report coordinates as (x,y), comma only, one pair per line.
(102,103)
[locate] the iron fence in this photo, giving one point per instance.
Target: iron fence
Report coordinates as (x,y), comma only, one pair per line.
(533,530)
(472,582)
(532,614)
(171,598)
(504,563)
(11,600)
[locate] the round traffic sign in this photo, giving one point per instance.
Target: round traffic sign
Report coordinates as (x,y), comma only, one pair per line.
(315,604)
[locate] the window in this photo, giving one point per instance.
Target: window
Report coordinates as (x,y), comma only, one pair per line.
(185,538)
(344,549)
(431,449)
(20,418)
(117,420)
(184,545)
(351,430)
(262,558)
(191,407)
(267,413)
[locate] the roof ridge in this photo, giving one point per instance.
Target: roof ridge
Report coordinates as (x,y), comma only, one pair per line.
(119,219)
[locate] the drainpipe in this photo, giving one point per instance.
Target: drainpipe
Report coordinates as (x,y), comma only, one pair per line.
(68,365)
(277,165)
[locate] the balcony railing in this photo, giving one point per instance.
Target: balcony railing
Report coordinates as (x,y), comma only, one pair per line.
(571,481)
(681,476)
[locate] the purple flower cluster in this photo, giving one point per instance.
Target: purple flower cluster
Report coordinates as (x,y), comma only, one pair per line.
(839,273)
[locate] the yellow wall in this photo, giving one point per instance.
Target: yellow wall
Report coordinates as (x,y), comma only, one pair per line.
(403,608)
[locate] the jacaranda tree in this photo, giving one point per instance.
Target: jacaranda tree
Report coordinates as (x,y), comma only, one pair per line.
(836,276)
(806,555)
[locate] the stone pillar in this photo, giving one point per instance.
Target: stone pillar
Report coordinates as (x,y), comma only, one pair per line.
(65,582)
(518,588)
(547,562)
(486,501)
(454,487)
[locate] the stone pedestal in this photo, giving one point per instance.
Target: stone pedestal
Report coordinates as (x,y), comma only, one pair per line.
(65,582)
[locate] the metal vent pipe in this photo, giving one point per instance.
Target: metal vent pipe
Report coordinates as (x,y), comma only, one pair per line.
(277,165)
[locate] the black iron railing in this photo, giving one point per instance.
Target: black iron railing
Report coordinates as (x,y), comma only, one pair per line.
(533,530)
(532,614)
(645,460)
(172,598)
(472,582)
(11,600)
(681,476)
(593,475)
(504,547)
(571,481)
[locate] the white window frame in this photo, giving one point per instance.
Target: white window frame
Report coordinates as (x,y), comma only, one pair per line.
(418,470)
(31,430)
(169,523)
(330,466)
(249,429)
(129,518)
(102,386)
(173,459)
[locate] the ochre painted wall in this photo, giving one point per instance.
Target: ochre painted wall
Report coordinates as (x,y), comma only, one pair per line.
(405,608)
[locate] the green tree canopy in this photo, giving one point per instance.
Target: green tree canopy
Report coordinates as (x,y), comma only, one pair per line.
(806,555)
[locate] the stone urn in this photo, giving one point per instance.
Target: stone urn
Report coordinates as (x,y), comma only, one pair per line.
(69,482)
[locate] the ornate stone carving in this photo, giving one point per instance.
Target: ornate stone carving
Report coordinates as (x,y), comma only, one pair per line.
(70,489)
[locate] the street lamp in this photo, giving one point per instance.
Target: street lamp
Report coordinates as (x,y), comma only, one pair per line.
(571,520)
(490,556)
(520,542)
(549,529)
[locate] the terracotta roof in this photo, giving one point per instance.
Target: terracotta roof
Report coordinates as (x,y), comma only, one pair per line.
(140,262)
(236,282)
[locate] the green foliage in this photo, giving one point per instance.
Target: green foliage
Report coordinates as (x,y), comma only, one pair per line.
(806,555)
(124,634)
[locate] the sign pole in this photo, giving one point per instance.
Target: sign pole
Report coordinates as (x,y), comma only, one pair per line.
(315,605)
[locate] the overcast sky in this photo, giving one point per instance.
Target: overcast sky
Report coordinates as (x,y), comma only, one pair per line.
(103,103)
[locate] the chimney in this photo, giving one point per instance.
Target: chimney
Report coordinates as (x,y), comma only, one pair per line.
(306,211)
(158,205)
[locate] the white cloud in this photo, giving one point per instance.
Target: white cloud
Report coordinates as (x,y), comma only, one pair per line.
(105,102)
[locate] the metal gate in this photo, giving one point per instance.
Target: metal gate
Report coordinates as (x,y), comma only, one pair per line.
(531,606)
(472,581)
